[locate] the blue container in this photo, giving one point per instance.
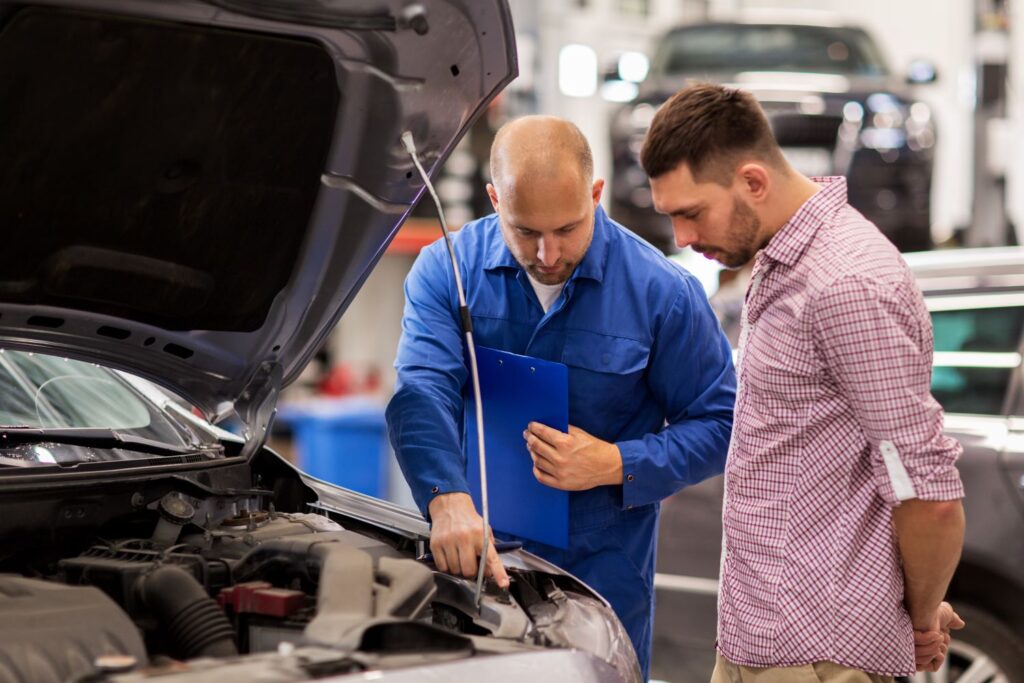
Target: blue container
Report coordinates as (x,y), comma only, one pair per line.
(342,441)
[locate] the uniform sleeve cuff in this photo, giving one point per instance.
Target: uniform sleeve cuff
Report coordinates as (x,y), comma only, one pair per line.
(632,453)
(438,488)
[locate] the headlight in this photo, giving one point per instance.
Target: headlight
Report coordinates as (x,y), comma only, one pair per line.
(920,127)
(628,131)
(883,138)
(887,123)
(581,622)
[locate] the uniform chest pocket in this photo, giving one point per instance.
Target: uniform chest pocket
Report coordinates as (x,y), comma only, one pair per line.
(606,375)
(604,354)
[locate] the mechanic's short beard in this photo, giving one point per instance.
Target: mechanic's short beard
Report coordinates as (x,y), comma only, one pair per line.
(743,239)
(552,278)
(568,267)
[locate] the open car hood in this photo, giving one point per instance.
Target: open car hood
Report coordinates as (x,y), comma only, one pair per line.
(194,191)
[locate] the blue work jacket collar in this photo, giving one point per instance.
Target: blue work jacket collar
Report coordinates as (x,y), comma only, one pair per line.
(592,266)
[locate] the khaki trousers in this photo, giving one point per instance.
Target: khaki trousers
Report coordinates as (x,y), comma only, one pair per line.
(819,672)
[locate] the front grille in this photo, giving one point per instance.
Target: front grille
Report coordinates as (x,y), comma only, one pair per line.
(803,130)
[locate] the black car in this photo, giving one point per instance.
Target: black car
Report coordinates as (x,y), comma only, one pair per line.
(833,103)
(976,301)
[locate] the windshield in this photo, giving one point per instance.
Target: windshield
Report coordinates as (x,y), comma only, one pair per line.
(48,392)
(736,48)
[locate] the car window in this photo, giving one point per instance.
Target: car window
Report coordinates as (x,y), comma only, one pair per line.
(37,390)
(976,352)
(736,48)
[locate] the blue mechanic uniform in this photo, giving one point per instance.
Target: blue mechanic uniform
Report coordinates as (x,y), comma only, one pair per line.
(649,369)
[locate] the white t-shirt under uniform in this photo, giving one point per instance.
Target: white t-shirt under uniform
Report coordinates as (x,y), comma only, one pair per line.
(547,294)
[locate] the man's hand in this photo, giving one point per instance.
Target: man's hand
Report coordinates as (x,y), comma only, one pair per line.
(456,539)
(930,649)
(575,461)
(932,641)
(930,536)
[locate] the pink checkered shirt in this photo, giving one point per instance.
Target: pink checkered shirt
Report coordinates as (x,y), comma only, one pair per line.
(835,425)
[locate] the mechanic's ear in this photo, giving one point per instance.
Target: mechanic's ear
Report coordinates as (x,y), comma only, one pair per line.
(597,190)
(492,193)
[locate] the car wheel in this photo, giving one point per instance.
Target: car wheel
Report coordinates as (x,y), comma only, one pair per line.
(985,651)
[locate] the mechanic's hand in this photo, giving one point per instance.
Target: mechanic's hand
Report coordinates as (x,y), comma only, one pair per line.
(935,636)
(575,461)
(456,539)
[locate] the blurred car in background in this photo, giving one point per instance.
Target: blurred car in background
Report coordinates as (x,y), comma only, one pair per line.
(834,105)
(976,301)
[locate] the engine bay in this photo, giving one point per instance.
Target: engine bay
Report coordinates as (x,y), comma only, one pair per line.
(179,578)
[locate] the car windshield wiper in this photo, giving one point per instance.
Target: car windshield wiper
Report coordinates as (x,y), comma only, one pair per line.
(92,436)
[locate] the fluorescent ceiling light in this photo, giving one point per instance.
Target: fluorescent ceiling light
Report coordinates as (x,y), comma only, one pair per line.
(633,66)
(577,71)
(619,91)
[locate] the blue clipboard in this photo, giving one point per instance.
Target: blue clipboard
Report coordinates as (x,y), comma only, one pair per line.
(517,390)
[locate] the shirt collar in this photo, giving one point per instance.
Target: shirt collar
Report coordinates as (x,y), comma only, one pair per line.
(790,242)
(592,266)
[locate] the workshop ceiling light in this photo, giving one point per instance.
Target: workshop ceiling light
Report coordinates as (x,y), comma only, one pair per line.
(633,66)
(577,71)
(619,91)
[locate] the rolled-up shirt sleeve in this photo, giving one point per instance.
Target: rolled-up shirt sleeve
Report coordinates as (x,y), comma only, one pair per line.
(876,341)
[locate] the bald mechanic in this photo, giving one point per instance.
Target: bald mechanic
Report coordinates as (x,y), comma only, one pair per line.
(651,381)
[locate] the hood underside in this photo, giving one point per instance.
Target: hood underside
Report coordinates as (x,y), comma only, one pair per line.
(194,191)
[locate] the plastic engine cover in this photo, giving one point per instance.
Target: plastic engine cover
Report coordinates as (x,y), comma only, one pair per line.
(52,632)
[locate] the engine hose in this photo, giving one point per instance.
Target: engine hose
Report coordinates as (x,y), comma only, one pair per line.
(298,557)
(194,624)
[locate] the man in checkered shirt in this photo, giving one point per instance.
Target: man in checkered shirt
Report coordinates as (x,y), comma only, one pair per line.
(842,521)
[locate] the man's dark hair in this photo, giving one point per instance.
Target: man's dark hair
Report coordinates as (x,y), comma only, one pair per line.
(710,128)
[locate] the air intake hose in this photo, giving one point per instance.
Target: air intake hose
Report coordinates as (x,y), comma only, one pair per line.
(194,624)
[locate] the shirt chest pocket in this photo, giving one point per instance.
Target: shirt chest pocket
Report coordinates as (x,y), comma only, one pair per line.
(783,387)
(606,375)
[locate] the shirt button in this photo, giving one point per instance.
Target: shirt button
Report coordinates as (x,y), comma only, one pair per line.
(629,477)
(629,507)
(435,489)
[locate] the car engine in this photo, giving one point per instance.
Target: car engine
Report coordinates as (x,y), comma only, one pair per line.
(299,593)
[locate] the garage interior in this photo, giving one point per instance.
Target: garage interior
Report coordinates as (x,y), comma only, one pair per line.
(927,126)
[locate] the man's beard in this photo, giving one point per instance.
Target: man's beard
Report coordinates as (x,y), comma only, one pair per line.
(566,268)
(742,238)
(561,276)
